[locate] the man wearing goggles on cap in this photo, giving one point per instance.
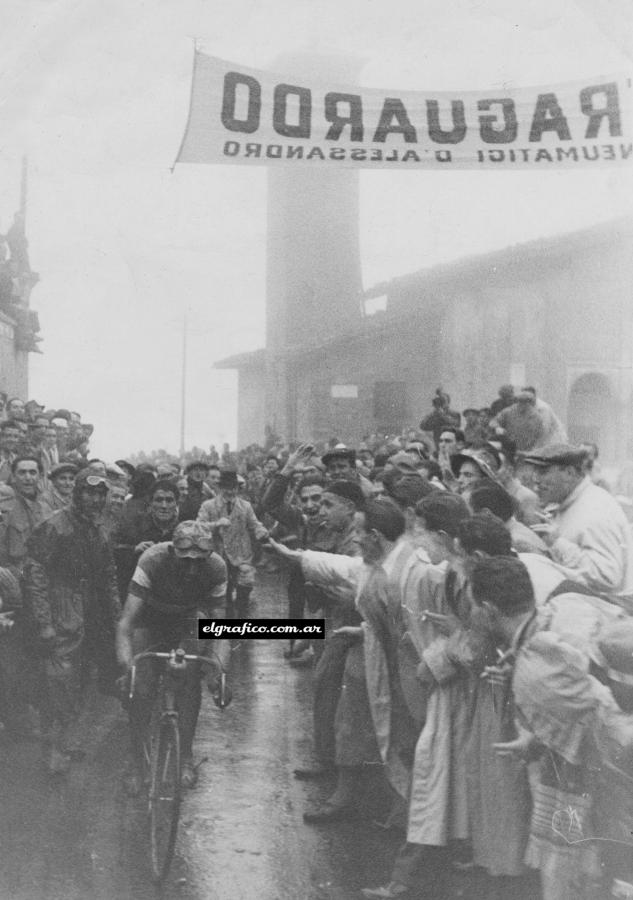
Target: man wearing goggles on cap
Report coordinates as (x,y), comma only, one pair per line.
(175,584)
(71,596)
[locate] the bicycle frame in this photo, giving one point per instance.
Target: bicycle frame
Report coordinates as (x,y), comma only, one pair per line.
(162,752)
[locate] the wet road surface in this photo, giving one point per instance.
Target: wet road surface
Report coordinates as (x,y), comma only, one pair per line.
(241,834)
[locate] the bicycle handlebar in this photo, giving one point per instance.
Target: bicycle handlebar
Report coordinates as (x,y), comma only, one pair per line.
(179,658)
(175,655)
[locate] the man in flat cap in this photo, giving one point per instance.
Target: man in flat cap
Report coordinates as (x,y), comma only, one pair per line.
(340,462)
(59,494)
(587,531)
(340,465)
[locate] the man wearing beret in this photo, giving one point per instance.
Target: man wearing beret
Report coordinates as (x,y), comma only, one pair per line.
(587,532)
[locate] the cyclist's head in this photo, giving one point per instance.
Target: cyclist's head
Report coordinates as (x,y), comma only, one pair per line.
(192,540)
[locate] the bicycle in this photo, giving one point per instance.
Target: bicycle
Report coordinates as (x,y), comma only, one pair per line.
(161,752)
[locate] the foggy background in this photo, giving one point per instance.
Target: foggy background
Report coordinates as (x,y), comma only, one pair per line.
(97,96)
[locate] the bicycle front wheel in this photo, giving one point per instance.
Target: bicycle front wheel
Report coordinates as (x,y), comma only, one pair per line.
(164,797)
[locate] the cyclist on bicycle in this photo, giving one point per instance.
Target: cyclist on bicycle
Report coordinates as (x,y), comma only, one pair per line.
(175,584)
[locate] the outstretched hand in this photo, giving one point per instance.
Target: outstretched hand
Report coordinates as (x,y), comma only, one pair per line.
(301,455)
(351,631)
(284,551)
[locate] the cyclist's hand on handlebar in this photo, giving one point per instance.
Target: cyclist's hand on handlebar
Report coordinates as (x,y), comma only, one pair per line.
(220,690)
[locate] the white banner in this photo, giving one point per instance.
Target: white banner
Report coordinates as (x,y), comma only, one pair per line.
(246,116)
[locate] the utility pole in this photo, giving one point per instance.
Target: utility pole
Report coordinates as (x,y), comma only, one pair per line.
(183,396)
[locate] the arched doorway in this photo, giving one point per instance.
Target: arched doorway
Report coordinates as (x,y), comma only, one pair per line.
(592,414)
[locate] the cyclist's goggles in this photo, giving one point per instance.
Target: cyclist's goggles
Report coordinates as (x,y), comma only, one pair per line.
(192,539)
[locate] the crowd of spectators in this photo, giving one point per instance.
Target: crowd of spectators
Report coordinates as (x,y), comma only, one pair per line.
(475,574)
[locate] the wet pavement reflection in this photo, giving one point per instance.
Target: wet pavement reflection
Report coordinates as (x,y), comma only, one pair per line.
(242,836)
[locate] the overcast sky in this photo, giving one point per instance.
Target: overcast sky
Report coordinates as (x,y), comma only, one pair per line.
(97,95)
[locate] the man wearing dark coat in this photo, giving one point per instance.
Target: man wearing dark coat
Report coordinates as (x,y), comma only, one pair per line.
(73,603)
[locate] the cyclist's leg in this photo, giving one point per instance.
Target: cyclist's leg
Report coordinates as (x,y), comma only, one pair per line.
(140,707)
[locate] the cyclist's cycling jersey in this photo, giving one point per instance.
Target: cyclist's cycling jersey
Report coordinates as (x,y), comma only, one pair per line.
(167,593)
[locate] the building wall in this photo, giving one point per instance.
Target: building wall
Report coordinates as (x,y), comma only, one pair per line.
(251,420)
(406,358)
(549,321)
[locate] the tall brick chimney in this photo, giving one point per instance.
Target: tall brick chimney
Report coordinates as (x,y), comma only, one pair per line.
(313,277)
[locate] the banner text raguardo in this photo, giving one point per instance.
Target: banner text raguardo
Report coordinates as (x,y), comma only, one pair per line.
(245,116)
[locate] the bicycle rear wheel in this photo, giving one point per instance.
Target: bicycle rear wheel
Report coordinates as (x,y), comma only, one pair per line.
(164,796)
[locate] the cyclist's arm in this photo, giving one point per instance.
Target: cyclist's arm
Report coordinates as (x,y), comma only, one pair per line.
(125,629)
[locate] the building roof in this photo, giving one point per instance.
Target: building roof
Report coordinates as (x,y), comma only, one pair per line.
(250,360)
(410,295)
(405,292)
(507,258)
